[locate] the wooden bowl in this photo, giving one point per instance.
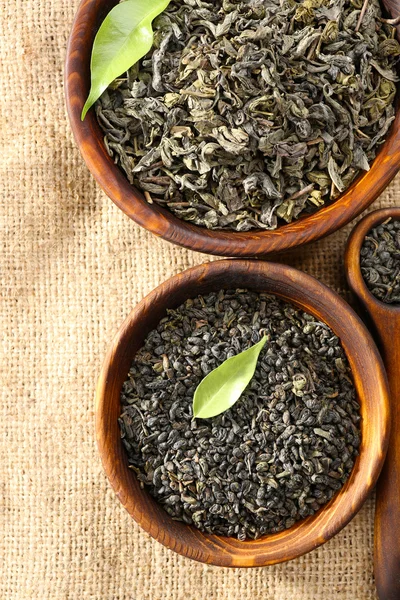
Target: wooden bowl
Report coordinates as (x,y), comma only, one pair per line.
(369,377)
(162,222)
(384,320)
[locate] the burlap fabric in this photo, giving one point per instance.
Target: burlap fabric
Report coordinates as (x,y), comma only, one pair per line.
(72,266)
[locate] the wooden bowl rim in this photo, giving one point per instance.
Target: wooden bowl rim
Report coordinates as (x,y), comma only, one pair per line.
(371,385)
(160,221)
(352,260)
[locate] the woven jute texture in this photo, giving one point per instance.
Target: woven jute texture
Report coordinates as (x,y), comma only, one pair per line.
(72,266)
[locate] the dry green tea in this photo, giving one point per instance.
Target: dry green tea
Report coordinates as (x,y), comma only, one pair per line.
(380,261)
(250,113)
(279,453)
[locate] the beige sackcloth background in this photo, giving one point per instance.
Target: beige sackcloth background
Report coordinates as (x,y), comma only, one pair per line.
(72,266)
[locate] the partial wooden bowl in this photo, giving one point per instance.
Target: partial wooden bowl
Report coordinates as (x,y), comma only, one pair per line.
(384,320)
(163,223)
(369,377)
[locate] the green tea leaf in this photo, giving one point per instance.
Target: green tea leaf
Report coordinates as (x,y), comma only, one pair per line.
(221,388)
(124,37)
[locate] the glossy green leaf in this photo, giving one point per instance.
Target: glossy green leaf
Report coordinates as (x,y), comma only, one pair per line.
(221,388)
(124,37)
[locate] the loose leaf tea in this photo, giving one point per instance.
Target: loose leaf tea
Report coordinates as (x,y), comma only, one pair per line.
(247,114)
(221,388)
(380,261)
(123,38)
(271,459)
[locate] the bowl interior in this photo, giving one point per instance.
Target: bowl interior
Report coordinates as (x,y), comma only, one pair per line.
(369,378)
(353,262)
(364,190)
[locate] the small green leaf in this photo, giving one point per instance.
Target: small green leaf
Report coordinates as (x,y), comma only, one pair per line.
(221,388)
(124,37)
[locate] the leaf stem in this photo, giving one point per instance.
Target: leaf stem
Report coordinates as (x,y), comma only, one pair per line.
(362,13)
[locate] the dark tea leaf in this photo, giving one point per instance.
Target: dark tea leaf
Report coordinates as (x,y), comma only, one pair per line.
(279,453)
(380,261)
(123,38)
(246,115)
(221,388)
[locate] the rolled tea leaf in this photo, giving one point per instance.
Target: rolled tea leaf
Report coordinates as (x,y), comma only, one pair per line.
(221,388)
(124,37)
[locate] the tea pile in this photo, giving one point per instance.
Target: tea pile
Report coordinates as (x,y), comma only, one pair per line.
(380,261)
(247,112)
(285,447)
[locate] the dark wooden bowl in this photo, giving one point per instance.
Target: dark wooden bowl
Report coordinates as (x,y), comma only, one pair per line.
(162,222)
(369,378)
(384,321)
